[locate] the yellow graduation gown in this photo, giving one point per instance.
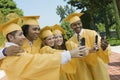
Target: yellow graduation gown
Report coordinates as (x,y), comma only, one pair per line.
(65,68)
(93,59)
(34,48)
(82,72)
(48,50)
(32,67)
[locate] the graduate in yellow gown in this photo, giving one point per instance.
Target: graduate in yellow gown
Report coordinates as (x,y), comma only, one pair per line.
(95,62)
(31,30)
(59,44)
(28,66)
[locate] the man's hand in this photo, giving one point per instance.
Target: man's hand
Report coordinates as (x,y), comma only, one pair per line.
(13,50)
(79,52)
(104,44)
(94,49)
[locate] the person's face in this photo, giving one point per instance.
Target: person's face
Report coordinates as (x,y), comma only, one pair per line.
(77,26)
(33,32)
(18,38)
(58,39)
(49,40)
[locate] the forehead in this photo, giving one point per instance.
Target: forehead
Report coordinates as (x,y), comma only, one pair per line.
(51,36)
(19,31)
(79,21)
(57,34)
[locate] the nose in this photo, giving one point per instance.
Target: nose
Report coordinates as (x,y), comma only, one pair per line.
(23,37)
(77,25)
(37,31)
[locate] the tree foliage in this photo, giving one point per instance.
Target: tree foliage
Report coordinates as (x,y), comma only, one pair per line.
(7,7)
(117,17)
(64,11)
(69,31)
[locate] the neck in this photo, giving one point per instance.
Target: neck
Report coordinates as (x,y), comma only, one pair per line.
(58,47)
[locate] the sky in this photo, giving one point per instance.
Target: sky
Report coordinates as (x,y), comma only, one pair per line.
(46,9)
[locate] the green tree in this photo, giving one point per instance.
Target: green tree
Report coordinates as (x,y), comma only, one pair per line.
(1,18)
(64,11)
(118,5)
(9,6)
(69,31)
(117,18)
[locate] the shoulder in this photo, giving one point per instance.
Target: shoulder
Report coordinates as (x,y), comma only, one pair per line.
(89,31)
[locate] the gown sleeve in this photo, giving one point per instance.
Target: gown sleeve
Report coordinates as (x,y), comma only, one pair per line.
(32,67)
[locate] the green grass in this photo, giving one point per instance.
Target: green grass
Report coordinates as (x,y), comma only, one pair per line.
(114,42)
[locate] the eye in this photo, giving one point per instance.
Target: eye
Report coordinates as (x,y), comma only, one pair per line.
(21,34)
(56,37)
(60,36)
(34,29)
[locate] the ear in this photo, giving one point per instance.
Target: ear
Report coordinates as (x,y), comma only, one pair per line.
(10,37)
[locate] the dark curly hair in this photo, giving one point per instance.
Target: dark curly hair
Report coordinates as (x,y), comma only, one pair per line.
(25,29)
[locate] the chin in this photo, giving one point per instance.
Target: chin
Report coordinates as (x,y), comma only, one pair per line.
(35,38)
(59,44)
(52,45)
(77,30)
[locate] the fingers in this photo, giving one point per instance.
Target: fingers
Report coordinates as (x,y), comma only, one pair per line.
(81,47)
(104,44)
(79,52)
(83,52)
(13,50)
(95,48)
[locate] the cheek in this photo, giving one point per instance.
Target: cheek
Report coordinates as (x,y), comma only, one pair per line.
(30,32)
(20,39)
(61,40)
(56,39)
(47,41)
(80,24)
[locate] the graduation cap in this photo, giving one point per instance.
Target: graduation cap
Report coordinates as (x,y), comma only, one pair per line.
(30,20)
(73,17)
(56,29)
(10,26)
(45,32)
